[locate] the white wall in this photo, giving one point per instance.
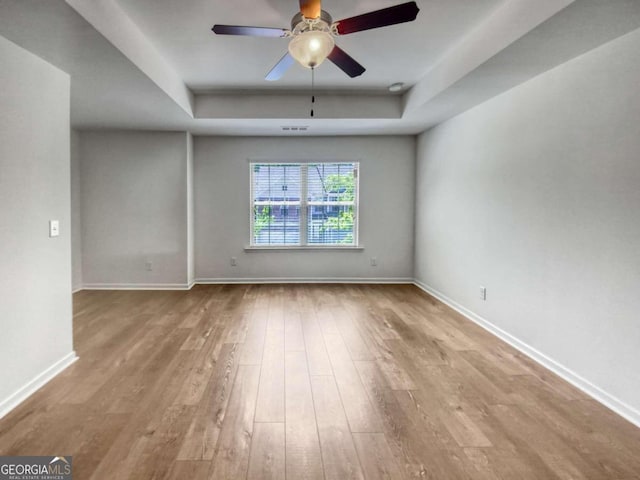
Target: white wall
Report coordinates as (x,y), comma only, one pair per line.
(134,198)
(536,195)
(76,217)
(35,277)
(386,212)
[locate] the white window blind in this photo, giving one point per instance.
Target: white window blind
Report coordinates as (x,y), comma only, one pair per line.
(304,204)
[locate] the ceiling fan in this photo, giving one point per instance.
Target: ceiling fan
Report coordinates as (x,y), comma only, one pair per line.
(312,35)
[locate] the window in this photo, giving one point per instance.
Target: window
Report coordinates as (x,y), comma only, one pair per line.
(304,204)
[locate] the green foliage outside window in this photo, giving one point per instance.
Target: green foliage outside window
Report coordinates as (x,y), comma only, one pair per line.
(342,188)
(262,217)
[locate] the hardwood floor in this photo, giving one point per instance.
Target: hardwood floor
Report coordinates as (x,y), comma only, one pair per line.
(308,382)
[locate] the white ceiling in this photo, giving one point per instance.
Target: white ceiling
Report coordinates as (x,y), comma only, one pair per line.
(155,64)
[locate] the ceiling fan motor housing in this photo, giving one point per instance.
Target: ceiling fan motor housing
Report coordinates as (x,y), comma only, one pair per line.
(300,23)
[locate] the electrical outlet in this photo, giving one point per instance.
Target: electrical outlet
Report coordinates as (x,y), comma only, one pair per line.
(483,293)
(234,261)
(148,265)
(374,262)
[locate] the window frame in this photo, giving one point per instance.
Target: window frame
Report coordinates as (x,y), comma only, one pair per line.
(304,204)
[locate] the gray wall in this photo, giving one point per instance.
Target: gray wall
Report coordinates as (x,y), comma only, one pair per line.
(222,209)
(134,197)
(536,195)
(35,278)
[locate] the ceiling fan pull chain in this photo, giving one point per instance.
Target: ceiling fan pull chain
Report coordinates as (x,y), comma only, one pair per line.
(313,87)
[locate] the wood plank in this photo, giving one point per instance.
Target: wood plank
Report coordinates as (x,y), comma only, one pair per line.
(130,451)
(201,439)
(339,455)
(558,456)
(463,429)
(360,413)
(326,320)
(162,442)
(234,445)
(270,405)
(304,460)
(187,469)
(267,452)
(293,335)
(317,357)
(91,442)
(204,364)
(376,457)
(358,349)
(446,456)
(237,325)
(253,346)
(414,445)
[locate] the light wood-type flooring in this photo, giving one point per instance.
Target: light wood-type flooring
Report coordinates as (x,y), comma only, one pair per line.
(309,382)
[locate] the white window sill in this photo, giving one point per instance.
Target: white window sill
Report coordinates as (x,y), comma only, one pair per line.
(284,248)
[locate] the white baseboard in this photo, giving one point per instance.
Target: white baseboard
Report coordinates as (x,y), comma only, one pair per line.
(36,383)
(222,281)
(136,286)
(217,281)
(608,400)
(249,280)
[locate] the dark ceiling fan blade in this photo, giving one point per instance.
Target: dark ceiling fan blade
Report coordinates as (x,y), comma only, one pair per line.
(282,66)
(251,31)
(405,12)
(311,8)
(345,62)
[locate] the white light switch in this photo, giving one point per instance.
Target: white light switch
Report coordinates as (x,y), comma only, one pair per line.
(54,228)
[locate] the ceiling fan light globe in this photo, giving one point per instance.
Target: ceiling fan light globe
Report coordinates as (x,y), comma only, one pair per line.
(311,48)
